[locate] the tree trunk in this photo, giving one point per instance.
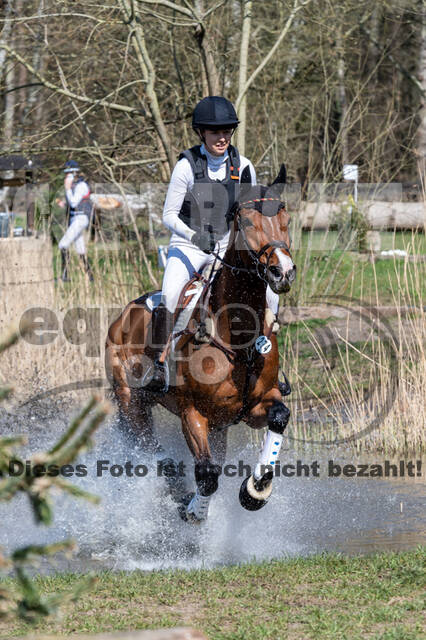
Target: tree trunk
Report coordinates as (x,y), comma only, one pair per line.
(9,76)
(22,80)
(297,6)
(242,79)
(422,77)
(38,63)
(374,52)
(341,100)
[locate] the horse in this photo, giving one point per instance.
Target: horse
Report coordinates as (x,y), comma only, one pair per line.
(226,365)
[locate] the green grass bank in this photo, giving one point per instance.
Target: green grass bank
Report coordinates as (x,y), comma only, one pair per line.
(328,596)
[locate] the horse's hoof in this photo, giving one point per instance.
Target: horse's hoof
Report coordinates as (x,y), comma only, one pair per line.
(255,494)
(185,514)
(184,502)
(176,485)
(188,517)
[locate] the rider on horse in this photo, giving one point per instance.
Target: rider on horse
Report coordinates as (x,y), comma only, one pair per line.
(213,168)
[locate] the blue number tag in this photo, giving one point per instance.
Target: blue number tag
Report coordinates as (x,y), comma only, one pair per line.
(263,345)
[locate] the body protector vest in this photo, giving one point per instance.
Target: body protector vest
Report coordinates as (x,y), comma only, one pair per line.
(207,205)
(83,208)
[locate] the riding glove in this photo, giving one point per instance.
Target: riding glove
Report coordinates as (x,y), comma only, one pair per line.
(204,240)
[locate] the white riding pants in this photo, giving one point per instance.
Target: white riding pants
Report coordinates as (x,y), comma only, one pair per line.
(183,259)
(74,233)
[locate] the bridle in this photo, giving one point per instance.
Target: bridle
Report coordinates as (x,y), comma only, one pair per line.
(260,267)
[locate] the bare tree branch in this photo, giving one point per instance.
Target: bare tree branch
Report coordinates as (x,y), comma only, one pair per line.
(70,94)
(297,6)
(412,78)
(171,5)
(59,15)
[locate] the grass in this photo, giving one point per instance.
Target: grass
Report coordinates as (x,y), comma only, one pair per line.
(328,596)
(342,273)
(328,241)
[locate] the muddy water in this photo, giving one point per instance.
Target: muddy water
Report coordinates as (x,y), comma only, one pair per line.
(137,525)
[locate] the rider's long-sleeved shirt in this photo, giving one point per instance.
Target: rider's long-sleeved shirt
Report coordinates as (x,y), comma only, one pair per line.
(182,180)
(77,193)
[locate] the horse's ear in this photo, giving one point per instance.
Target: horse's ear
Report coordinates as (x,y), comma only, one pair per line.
(245,175)
(277,185)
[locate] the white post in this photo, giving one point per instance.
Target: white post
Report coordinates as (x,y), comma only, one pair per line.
(350,172)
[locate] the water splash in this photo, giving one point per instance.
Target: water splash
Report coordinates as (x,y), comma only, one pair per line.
(137,526)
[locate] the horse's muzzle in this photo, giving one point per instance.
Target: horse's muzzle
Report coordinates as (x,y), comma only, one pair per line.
(279,281)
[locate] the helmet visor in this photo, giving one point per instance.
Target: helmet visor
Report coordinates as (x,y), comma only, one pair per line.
(219,127)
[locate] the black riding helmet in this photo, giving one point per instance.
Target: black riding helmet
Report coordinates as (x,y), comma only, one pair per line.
(214,112)
(71,166)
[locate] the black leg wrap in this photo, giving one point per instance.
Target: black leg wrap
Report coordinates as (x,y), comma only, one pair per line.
(284,387)
(278,417)
(206,477)
(65,265)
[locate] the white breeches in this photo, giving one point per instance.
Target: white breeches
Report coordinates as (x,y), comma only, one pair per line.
(183,260)
(74,233)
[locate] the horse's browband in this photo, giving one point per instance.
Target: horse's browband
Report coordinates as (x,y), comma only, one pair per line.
(243,205)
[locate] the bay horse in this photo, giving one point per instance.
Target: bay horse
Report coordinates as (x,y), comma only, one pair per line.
(232,374)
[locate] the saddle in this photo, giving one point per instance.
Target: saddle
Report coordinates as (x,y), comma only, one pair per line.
(194,293)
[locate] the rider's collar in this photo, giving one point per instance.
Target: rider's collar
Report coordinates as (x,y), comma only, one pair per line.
(214,161)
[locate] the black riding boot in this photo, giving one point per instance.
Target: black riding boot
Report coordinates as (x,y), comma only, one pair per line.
(87,268)
(65,265)
(162,325)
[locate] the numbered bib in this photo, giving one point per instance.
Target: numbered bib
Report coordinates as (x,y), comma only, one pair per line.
(263,345)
